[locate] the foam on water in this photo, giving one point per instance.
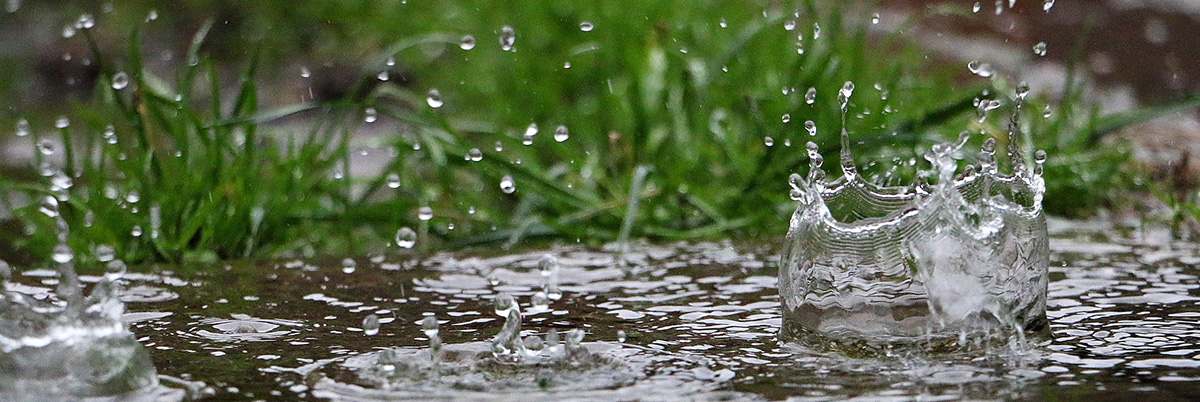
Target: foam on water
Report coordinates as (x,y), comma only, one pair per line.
(951,259)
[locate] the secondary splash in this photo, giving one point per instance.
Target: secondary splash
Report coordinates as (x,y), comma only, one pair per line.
(950,261)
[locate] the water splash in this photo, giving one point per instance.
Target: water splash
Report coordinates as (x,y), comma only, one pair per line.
(949,260)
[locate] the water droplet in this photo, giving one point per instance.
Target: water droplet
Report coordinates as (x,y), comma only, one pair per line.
(621,336)
(68,31)
(505,304)
(45,147)
(532,130)
(434,98)
(981,69)
(789,25)
(391,61)
(810,96)
(155,221)
(349,265)
(499,146)
(115,270)
(844,95)
(507,38)
(816,31)
(12,6)
(110,135)
(22,127)
(62,254)
(875,18)
(85,21)
(722,23)
(507,185)
(152,15)
(406,237)
(561,134)
(467,42)
(574,338)
(370,325)
(429,325)
(136,231)
(1040,49)
(105,253)
(62,122)
(786,118)
(370,115)
(769,141)
(5,271)
(1047,5)
(539,302)
(474,155)
(975,8)
(120,80)
(425,213)
(383,75)
(1046,112)
(811,127)
(304,72)
(548,265)
(133,197)
(586,26)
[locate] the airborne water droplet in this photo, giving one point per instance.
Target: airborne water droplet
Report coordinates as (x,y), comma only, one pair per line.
(369,115)
(981,69)
(548,265)
(406,237)
(474,155)
(115,270)
(787,118)
(370,325)
(62,254)
(434,98)
(810,96)
(120,80)
(105,253)
(425,213)
(349,265)
(875,18)
(722,23)
(532,130)
(22,127)
(467,42)
(975,8)
(621,336)
(789,25)
(504,304)
(429,325)
(1040,49)
(561,134)
(507,38)
(816,31)
(586,26)
(1047,5)
(62,122)
(507,185)
(811,127)
(393,180)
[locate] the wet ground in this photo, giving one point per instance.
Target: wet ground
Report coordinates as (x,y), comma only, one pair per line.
(700,322)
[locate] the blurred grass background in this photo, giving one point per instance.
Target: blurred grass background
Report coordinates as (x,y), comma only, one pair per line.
(243,122)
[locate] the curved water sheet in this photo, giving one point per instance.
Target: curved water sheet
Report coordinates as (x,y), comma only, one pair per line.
(63,345)
(960,261)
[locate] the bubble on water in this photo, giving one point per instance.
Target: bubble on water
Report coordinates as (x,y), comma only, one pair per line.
(105,253)
(505,304)
(369,115)
(406,237)
(370,325)
(768,141)
(875,18)
(474,155)
(561,134)
(786,118)
(789,25)
(429,325)
(434,98)
(62,254)
(62,122)
(120,79)
(1047,5)
(1040,49)
(507,38)
(349,265)
(722,23)
(981,69)
(539,302)
(393,180)
(810,96)
(114,270)
(621,336)
(22,127)
(586,26)
(507,185)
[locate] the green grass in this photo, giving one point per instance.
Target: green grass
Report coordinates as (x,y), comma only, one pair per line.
(667,112)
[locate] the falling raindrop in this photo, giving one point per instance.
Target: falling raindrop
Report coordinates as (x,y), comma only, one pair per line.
(22,127)
(505,304)
(875,18)
(304,72)
(810,96)
(586,26)
(467,42)
(425,213)
(474,155)
(561,134)
(393,180)
(429,325)
(975,8)
(539,302)
(532,130)
(844,95)
(548,265)
(370,325)
(105,253)
(811,127)
(391,61)
(769,141)
(789,25)
(499,146)
(136,231)
(62,122)
(507,37)
(349,265)
(1046,112)
(434,98)
(722,23)
(1047,5)
(406,237)
(786,118)
(981,69)
(45,147)
(816,31)
(120,80)
(383,75)
(507,185)
(62,254)
(1040,49)
(621,336)
(370,115)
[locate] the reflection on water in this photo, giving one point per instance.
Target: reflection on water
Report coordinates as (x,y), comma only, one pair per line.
(699,321)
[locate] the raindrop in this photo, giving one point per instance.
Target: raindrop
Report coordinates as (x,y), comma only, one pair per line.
(504,304)
(85,21)
(152,15)
(391,61)
(1047,5)
(120,80)
(975,8)
(45,147)
(621,336)
(507,38)
(349,265)
(786,118)
(875,18)
(539,302)
(586,26)
(393,180)
(722,23)
(507,185)
(383,75)
(105,253)
(429,325)
(370,325)
(532,130)
(115,270)
(49,206)
(434,98)
(810,96)
(370,115)
(499,146)
(548,265)
(1046,112)
(789,25)
(62,122)
(136,231)
(12,6)
(561,134)
(22,127)
(406,237)
(816,31)
(769,141)
(844,95)
(1040,49)
(474,155)
(68,31)
(425,213)
(811,127)
(62,254)
(467,42)
(981,69)
(304,73)
(110,135)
